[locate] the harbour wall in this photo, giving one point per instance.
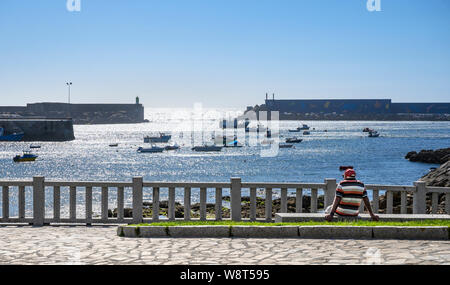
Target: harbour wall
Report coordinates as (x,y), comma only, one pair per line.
(80,113)
(355,106)
(40,129)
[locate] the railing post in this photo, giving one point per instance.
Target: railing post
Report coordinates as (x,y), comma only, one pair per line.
(419,198)
(329,191)
(137,199)
(38,201)
(235,199)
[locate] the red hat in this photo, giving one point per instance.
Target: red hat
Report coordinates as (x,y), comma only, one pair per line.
(349,173)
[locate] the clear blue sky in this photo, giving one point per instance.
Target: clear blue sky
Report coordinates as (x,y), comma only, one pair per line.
(227,53)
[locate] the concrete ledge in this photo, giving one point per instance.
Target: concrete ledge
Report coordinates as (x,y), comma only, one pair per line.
(128,231)
(309,232)
(428,233)
(199,231)
(335,232)
(153,231)
(305,217)
(265,231)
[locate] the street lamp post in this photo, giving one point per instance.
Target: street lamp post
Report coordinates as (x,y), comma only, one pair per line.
(68,85)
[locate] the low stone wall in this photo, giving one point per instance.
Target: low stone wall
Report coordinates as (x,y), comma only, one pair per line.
(308,232)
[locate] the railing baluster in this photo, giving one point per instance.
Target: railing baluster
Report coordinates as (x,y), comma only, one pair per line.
(218,204)
(155,208)
(403,197)
(269,204)
(73,203)
(202,204)
(56,204)
(104,204)
(38,201)
(21,202)
(283,206)
(120,203)
(299,200)
(88,205)
(313,200)
(389,202)
(5,205)
(447,203)
(137,199)
(171,206)
(253,204)
(375,201)
(434,202)
(187,203)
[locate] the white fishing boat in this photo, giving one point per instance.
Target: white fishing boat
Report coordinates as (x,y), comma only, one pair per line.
(298,129)
(374,134)
(172,147)
(161,138)
(152,149)
(285,145)
(294,140)
(206,148)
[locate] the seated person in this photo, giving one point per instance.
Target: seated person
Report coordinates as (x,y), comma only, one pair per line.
(349,194)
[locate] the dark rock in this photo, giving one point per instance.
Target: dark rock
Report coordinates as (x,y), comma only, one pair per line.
(438,156)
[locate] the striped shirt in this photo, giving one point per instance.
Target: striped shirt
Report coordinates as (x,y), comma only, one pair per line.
(351,193)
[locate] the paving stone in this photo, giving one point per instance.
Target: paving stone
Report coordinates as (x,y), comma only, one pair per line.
(101,245)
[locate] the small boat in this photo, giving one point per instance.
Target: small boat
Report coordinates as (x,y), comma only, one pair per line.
(114,145)
(233,144)
(374,134)
(172,147)
(294,140)
(285,145)
(162,138)
(35,146)
(152,149)
(306,133)
(14,137)
(366,130)
(298,129)
(206,148)
(27,156)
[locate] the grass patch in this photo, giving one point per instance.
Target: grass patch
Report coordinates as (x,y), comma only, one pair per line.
(441,223)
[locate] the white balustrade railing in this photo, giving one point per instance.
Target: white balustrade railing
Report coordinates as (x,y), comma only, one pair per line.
(235,187)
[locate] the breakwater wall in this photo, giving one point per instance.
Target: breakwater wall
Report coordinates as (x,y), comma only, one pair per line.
(80,113)
(40,129)
(354,109)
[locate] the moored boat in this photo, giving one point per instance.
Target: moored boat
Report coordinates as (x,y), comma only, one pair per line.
(285,145)
(14,137)
(294,140)
(206,148)
(298,129)
(373,134)
(172,147)
(161,138)
(152,149)
(26,156)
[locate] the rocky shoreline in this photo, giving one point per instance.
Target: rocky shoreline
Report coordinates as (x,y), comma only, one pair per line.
(438,156)
(439,177)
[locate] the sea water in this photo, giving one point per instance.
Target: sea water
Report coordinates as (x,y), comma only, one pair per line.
(89,157)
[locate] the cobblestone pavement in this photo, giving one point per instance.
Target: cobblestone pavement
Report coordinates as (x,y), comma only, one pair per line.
(101,245)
